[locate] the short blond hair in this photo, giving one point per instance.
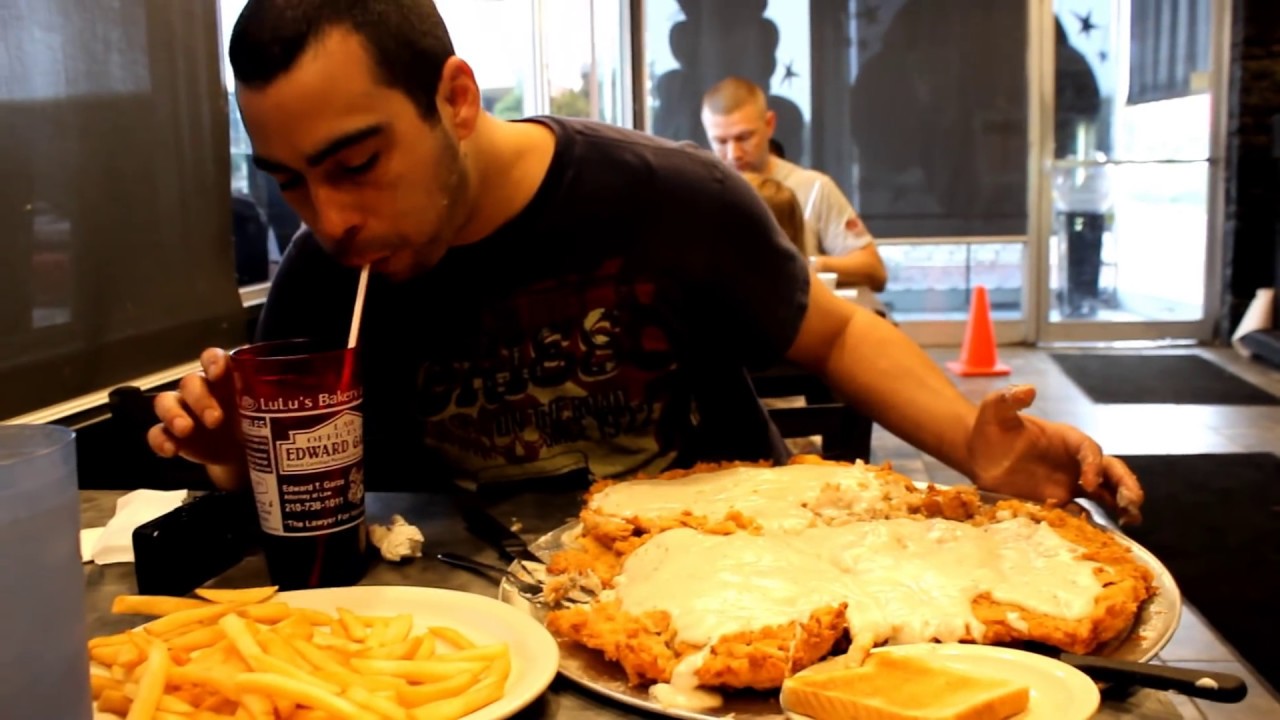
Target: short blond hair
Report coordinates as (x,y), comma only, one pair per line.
(732,94)
(784,205)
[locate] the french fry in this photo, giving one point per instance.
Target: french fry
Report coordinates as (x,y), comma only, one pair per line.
(398,629)
(373,683)
(355,629)
(259,706)
(499,670)
(182,618)
(295,628)
(101,683)
(317,657)
(106,654)
(453,637)
(486,653)
(154,605)
(247,596)
(485,693)
(240,655)
(277,647)
(129,657)
(303,694)
(266,613)
(315,617)
(140,640)
(196,639)
(414,670)
(114,702)
(383,708)
(416,695)
(174,704)
(223,705)
(263,663)
(237,631)
(377,631)
(347,647)
(405,650)
(220,682)
(151,686)
(108,640)
(192,696)
(428,647)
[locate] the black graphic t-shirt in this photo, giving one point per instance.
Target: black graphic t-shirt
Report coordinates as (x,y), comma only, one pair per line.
(608,326)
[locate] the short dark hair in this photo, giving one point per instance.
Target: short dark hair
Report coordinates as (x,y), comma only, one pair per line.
(407,39)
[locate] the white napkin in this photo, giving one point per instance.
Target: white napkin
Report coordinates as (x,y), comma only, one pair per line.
(1256,317)
(89,538)
(398,540)
(114,543)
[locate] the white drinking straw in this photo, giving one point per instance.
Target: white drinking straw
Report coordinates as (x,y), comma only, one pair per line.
(359,309)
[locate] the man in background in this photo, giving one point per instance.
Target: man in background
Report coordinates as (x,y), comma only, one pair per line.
(740,126)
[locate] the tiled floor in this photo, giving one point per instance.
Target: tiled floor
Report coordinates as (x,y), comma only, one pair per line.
(1134,430)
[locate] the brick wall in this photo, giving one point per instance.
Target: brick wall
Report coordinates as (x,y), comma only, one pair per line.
(1251,232)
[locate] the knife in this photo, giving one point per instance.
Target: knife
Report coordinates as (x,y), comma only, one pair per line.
(1215,686)
(492,531)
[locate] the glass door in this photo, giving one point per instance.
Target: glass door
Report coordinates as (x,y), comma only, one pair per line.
(1129,215)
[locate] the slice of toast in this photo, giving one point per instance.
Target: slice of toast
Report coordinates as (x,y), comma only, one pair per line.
(890,686)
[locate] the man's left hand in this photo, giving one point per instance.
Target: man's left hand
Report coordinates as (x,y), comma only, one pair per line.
(1031,458)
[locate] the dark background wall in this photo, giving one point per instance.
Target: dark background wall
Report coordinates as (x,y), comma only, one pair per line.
(1250,235)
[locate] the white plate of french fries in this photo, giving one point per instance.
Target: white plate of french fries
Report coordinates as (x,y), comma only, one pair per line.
(354,653)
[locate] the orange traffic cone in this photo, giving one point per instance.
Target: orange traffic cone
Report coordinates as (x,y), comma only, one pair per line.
(978,354)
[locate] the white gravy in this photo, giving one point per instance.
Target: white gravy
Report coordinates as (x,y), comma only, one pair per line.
(905,580)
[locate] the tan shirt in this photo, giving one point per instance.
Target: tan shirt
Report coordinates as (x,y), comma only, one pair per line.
(832,226)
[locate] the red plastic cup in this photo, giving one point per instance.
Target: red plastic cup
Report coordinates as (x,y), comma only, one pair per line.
(302,427)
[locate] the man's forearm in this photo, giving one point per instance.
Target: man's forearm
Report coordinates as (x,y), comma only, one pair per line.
(880,371)
(861,267)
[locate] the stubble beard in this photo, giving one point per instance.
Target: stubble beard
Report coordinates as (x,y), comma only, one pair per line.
(454,191)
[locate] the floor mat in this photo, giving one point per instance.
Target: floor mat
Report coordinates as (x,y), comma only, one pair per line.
(1214,521)
(1159,379)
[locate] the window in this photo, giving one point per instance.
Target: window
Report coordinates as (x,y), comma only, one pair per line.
(114,260)
(262,223)
(496,39)
(688,53)
(584,50)
(918,110)
(1169,53)
(935,282)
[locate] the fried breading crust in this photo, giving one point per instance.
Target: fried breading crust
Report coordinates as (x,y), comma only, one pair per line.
(646,649)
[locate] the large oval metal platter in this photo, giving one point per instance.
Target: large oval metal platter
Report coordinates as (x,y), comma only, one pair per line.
(1151,631)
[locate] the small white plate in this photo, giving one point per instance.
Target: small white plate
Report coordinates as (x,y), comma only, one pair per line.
(1058,691)
(535,655)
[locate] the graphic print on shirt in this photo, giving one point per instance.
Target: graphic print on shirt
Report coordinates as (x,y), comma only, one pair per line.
(581,363)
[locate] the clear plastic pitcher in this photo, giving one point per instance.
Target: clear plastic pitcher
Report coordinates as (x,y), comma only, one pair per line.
(44,670)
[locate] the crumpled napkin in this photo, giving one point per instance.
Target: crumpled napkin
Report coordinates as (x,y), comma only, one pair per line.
(114,542)
(398,540)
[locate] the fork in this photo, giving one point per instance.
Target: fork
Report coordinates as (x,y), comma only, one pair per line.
(528,590)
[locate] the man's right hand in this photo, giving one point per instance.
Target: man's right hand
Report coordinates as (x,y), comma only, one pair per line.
(194,421)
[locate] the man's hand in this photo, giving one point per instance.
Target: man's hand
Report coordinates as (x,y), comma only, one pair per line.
(1030,458)
(194,423)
